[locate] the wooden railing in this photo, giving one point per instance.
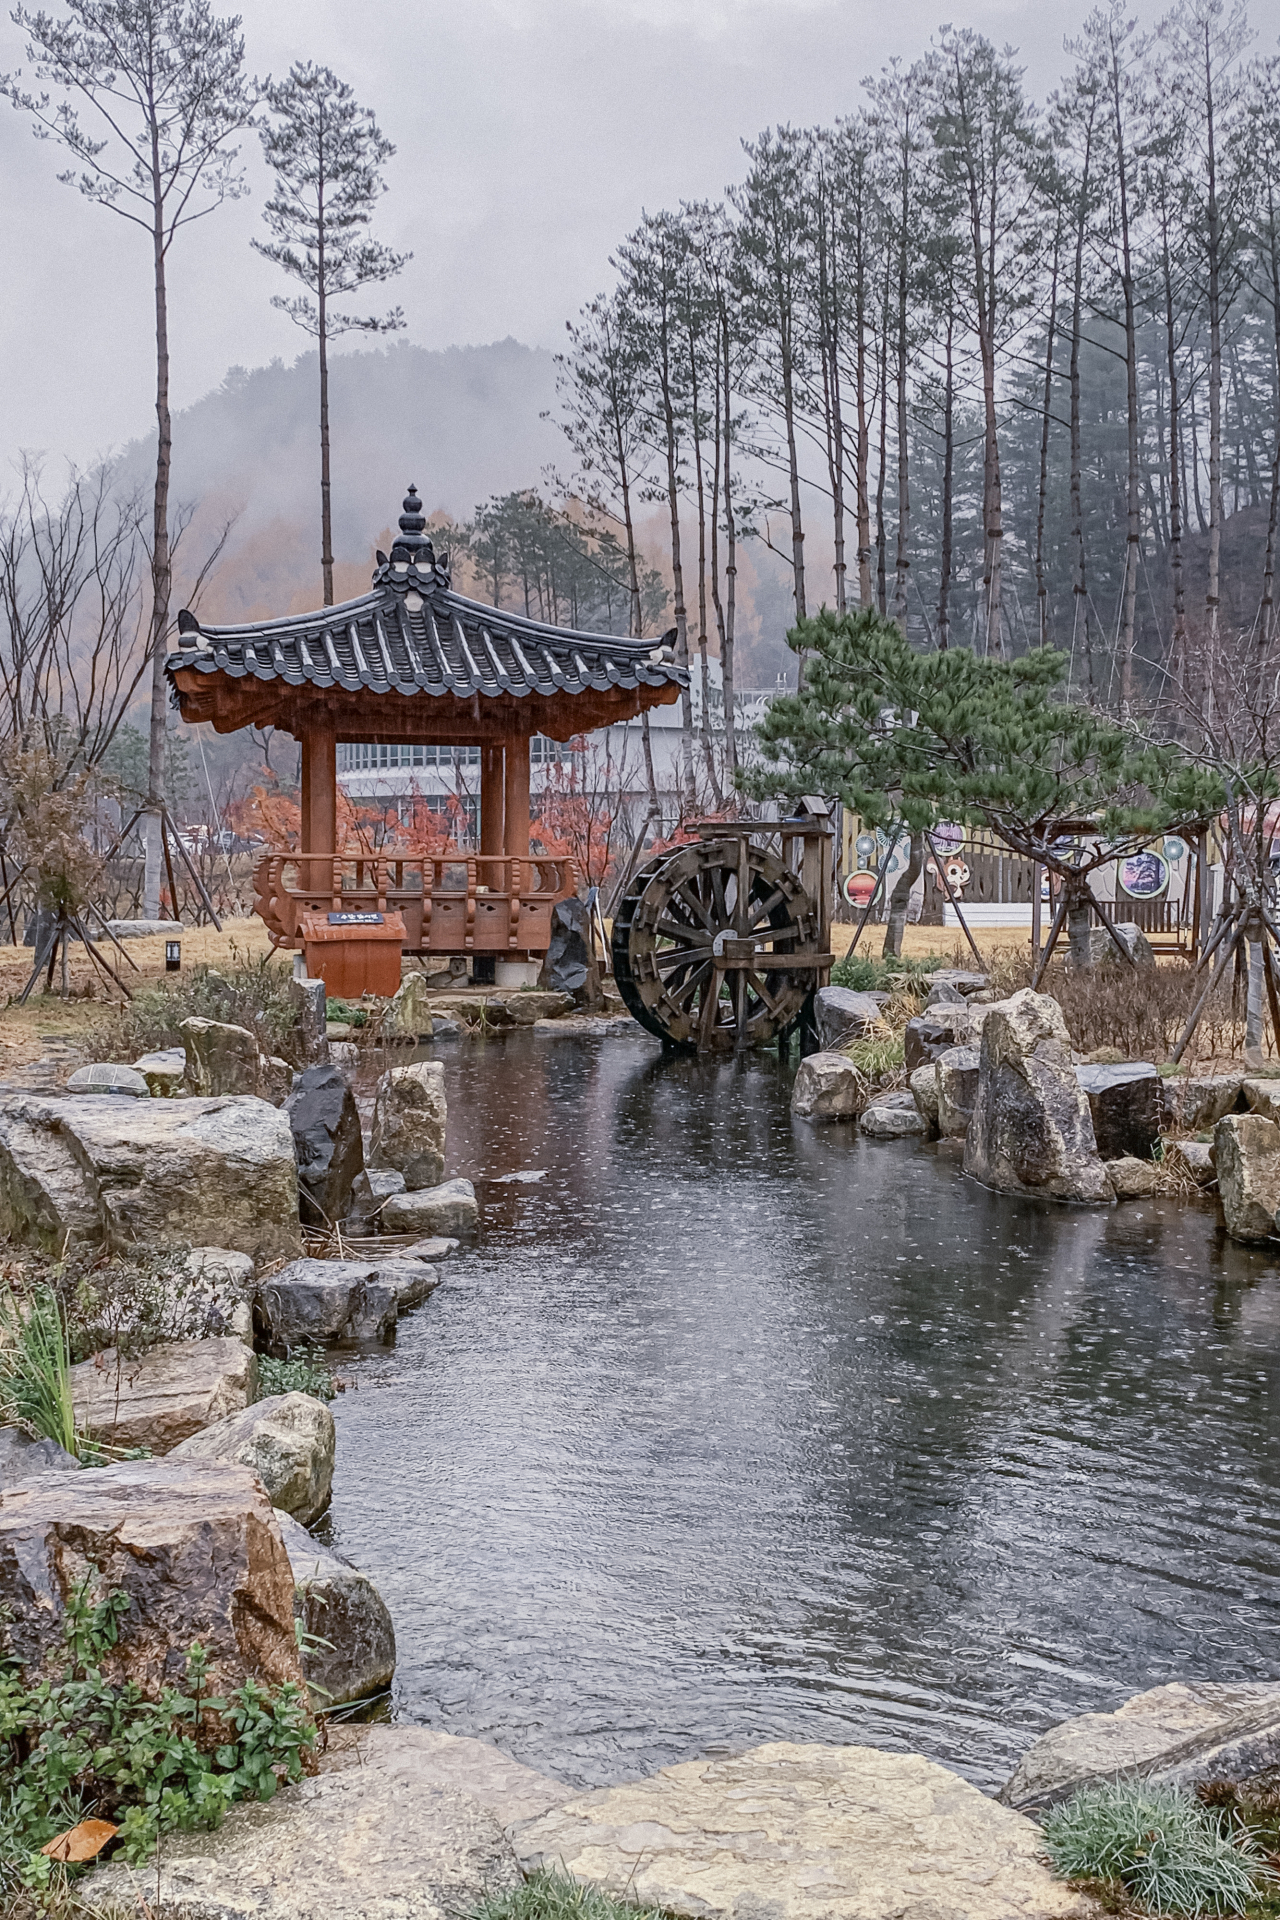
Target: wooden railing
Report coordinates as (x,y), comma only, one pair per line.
(461,903)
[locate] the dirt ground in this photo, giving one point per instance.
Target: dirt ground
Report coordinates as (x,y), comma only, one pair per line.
(49,1025)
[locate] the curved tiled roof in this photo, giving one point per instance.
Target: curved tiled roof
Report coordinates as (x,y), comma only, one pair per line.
(413,634)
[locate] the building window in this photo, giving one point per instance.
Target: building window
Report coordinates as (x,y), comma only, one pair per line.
(360,757)
(551,753)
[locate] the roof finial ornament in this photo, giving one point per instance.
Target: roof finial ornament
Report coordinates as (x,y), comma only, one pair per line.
(412,554)
(413,519)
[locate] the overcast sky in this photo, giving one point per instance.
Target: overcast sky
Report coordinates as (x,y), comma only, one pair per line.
(530,136)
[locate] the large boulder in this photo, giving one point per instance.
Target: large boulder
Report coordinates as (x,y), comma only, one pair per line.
(1192,1157)
(287,1440)
(222,1058)
(841,1015)
(408,1015)
(827,1086)
(22,1457)
(1131,1178)
(103,1170)
(961,980)
(1031,1130)
(1262,1096)
(1127,1107)
(529,1005)
(221,1289)
(570,966)
(883,1121)
(194,1547)
(325,1124)
(165,1395)
(325,1303)
(1194,1104)
(804,1833)
(924,1091)
(350,1652)
(958,1072)
(309,999)
(1103,951)
(1246,1155)
(410,1115)
(928,1035)
(1177,1734)
(412,1280)
(381,1839)
(370,1191)
(448,1209)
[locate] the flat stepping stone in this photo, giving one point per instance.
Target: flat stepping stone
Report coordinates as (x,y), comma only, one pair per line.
(805,1833)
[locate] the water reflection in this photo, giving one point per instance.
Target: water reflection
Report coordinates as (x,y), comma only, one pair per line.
(735,1429)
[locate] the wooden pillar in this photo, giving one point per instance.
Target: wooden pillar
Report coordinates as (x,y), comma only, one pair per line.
(320,786)
(491,799)
(516,810)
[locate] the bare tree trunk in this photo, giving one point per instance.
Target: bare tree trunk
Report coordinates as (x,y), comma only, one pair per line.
(1214,252)
(1079,923)
(1133,516)
(1080,586)
(1180,662)
(708,744)
(882,584)
(864,445)
(948,484)
(904,479)
(900,898)
(326,502)
(161,575)
(1267,614)
(721,490)
(1042,589)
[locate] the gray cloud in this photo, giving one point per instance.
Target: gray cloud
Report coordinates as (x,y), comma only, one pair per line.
(530,133)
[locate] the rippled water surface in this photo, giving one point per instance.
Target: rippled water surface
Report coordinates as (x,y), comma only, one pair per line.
(735,1429)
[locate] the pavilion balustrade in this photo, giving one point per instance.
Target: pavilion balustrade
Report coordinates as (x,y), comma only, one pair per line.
(452,903)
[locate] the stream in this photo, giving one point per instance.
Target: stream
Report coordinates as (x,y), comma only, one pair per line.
(733,1429)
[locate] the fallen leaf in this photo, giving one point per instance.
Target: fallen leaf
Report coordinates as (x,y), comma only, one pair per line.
(84,1842)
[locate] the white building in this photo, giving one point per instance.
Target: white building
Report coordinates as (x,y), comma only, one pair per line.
(609,761)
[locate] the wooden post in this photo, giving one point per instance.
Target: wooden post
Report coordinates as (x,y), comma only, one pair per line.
(319,791)
(516,807)
(491,797)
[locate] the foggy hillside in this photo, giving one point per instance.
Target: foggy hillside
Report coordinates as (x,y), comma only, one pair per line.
(462,424)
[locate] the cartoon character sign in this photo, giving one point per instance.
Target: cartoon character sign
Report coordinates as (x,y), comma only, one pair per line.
(957,873)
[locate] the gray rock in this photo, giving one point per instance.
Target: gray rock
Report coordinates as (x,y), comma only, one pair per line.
(1195,1104)
(894,1123)
(1127,1106)
(165,1395)
(164,1072)
(378,1841)
(1177,1734)
(1262,1096)
(943,994)
(827,1087)
(343,1054)
(412,1281)
(226,1059)
(193,1545)
(104,1078)
(325,1303)
(431,1251)
(145,929)
(958,1073)
(287,1440)
(309,998)
(924,1091)
(103,1170)
(352,1649)
(222,1291)
(1195,1157)
(928,1035)
(841,1015)
(21,1457)
(568,966)
(369,1191)
(1031,1130)
(1132,1179)
(804,1832)
(507,1790)
(408,1015)
(963,982)
(1246,1154)
(325,1124)
(410,1116)
(448,1209)
(1102,948)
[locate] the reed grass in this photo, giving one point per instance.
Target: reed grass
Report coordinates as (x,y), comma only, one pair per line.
(1170,1853)
(35,1366)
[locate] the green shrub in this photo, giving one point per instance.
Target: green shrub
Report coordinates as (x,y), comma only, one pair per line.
(74,1744)
(306,1371)
(252,992)
(554,1896)
(35,1366)
(864,974)
(1168,1851)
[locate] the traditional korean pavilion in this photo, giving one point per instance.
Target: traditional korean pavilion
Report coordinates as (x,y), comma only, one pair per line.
(414,661)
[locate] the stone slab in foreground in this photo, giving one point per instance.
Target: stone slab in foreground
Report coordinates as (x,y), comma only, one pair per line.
(104,1170)
(371,1841)
(1179,1734)
(163,1396)
(805,1833)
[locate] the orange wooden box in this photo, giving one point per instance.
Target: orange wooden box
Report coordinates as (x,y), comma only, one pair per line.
(354,953)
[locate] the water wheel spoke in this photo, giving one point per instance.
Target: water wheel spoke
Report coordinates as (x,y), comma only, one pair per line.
(719,905)
(710,1007)
(694,904)
(681,995)
(761,909)
(762,992)
(687,936)
(670,958)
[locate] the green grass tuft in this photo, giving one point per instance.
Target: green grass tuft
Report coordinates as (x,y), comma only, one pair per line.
(35,1367)
(553,1896)
(1169,1853)
(306,1371)
(865,974)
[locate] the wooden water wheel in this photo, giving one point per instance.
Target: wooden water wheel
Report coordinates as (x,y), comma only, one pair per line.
(700,940)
